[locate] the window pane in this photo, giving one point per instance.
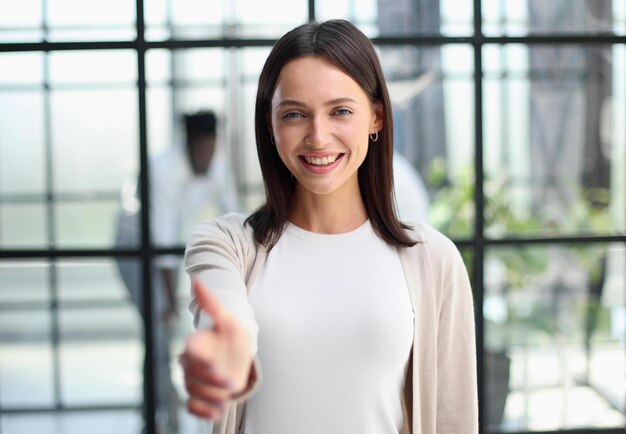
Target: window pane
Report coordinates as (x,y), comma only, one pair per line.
(555,148)
(23,282)
(99,67)
(432,95)
(21,68)
(23,226)
(199,65)
(92,147)
(399,17)
(554,337)
(197,19)
(523,17)
(94,280)
(94,21)
(260,18)
(85,224)
(22,149)
(21,21)
(252,61)
(99,422)
(26,370)
(100,332)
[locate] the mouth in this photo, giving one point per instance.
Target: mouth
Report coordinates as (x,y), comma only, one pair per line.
(320,161)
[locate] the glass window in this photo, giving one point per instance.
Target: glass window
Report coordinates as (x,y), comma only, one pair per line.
(523,17)
(554,337)
(100,331)
(96,280)
(22,149)
(431,90)
(252,61)
(23,282)
(21,21)
(103,67)
(400,17)
(21,69)
(23,225)
(91,21)
(26,355)
(99,422)
(94,137)
(107,341)
(554,158)
(85,224)
(196,19)
(185,83)
(554,150)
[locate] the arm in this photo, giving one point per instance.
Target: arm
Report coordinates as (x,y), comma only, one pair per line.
(218,358)
(217,362)
(169,278)
(219,254)
(164,209)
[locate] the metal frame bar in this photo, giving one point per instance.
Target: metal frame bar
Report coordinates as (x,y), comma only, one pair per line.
(415,39)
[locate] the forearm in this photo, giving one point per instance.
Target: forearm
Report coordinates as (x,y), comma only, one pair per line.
(169,279)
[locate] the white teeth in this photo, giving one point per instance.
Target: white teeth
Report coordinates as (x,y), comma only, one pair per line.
(321,161)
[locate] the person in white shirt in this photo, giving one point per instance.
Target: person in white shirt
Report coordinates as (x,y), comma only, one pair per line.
(188,184)
(411,193)
(361,323)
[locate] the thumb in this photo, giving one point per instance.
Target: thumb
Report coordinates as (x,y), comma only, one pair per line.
(208,302)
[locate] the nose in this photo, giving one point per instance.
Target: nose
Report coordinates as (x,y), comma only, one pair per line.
(318,133)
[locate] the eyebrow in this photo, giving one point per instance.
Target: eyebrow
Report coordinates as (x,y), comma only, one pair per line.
(293,102)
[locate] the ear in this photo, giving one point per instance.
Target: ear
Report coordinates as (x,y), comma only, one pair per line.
(377,123)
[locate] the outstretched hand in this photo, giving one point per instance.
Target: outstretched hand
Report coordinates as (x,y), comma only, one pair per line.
(216,361)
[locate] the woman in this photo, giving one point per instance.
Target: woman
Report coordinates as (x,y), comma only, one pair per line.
(362,324)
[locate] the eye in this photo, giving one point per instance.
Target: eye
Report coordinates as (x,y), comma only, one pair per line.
(343,112)
(292,115)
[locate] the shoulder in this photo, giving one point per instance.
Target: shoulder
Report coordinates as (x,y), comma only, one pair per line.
(167,161)
(230,226)
(435,250)
(219,241)
(437,260)
(431,240)
(225,243)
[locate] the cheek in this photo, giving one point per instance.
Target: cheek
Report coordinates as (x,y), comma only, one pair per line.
(283,153)
(287,137)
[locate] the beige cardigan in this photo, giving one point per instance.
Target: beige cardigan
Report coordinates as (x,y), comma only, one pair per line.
(441,386)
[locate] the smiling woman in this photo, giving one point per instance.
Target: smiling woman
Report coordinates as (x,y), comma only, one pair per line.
(362,323)
(308,74)
(321,120)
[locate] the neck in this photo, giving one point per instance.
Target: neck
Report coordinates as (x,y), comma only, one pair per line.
(333,213)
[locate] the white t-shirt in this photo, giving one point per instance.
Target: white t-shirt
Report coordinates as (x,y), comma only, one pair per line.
(336,329)
(181,199)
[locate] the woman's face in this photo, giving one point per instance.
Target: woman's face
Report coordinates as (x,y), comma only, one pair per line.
(321,120)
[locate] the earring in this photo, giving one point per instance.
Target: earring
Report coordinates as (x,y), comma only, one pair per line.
(374,137)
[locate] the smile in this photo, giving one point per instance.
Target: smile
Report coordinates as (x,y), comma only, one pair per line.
(321,164)
(321,161)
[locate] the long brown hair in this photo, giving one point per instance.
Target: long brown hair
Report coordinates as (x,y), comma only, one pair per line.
(346,47)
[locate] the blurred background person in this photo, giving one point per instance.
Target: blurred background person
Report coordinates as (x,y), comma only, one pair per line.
(412,197)
(188,183)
